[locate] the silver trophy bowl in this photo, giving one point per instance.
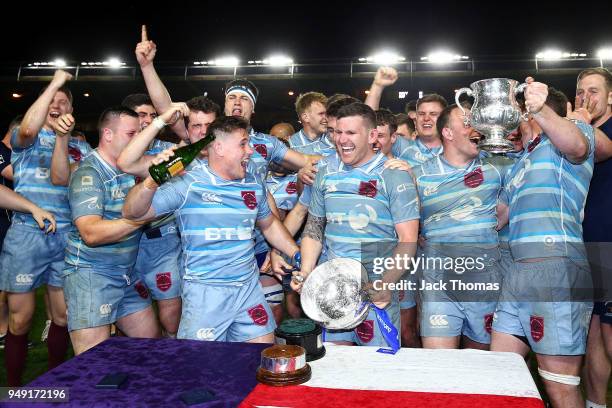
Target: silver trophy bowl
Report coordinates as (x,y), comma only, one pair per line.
(333,294)
(495,113)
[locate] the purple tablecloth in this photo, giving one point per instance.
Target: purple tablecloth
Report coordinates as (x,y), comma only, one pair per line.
(159,371)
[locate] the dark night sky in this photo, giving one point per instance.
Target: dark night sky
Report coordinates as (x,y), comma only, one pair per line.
(306,30)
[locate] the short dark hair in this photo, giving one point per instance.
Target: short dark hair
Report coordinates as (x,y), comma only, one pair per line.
(557,101)
(203,104)
(243,82)
(224,125)
(359,109)
(411,106)
(404,119)
(434,97)
(386,117)
(134,100)
(444,118)
(113,113)
(334,107)
(336,97)
(605,73)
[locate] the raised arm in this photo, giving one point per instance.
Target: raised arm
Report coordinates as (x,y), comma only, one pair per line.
(133,159)
(385,76)
(60,163)
(36,116)
(145,54)
(563,134)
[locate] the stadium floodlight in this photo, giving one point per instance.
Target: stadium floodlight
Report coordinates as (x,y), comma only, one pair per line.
(604,53)
(114,63)
(278,61)
(383,58)
(16,95)
(443,57)
(225,62)
(555,55)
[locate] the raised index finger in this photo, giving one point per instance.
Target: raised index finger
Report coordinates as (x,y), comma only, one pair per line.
(144,36)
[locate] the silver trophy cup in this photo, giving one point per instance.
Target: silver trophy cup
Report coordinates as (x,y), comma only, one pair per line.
(333,294)
(495,113)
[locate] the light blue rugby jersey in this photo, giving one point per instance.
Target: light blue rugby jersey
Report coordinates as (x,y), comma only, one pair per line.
(331,160)
(32,177)
(458,205)
(504,163)
(284,190)
(321,145)
(546,195)
(362,206)
(97,188)
(414,151)
(216,218)
(267,149)
(166,226)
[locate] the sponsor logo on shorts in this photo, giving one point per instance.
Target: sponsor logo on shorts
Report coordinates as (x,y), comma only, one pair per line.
(249,198)
(474,178)
(163,281)
(258,315)
(368,188)
(488,322)
(365,331)
(105,309)
(142,290)
(261,149)
(438,321)
(24,279)
(207,333)
(537,328)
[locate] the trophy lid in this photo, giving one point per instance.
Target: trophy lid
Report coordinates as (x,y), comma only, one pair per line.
(333,296)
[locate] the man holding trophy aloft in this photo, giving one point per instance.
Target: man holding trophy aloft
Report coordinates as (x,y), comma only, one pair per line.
(539,307)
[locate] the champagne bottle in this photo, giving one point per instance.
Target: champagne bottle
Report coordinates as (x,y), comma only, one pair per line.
(164,171)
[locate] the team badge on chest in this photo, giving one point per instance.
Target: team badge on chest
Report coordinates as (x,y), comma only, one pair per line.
(261,149)
(368,188)
(474,178)
(249,198)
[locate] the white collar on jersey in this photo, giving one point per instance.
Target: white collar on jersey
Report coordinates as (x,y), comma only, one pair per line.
(366,167)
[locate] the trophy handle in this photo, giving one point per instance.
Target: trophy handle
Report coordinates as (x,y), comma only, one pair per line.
(517,90)
(460,92)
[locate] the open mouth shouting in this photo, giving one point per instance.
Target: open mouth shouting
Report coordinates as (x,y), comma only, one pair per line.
(475,138)
(347,150)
